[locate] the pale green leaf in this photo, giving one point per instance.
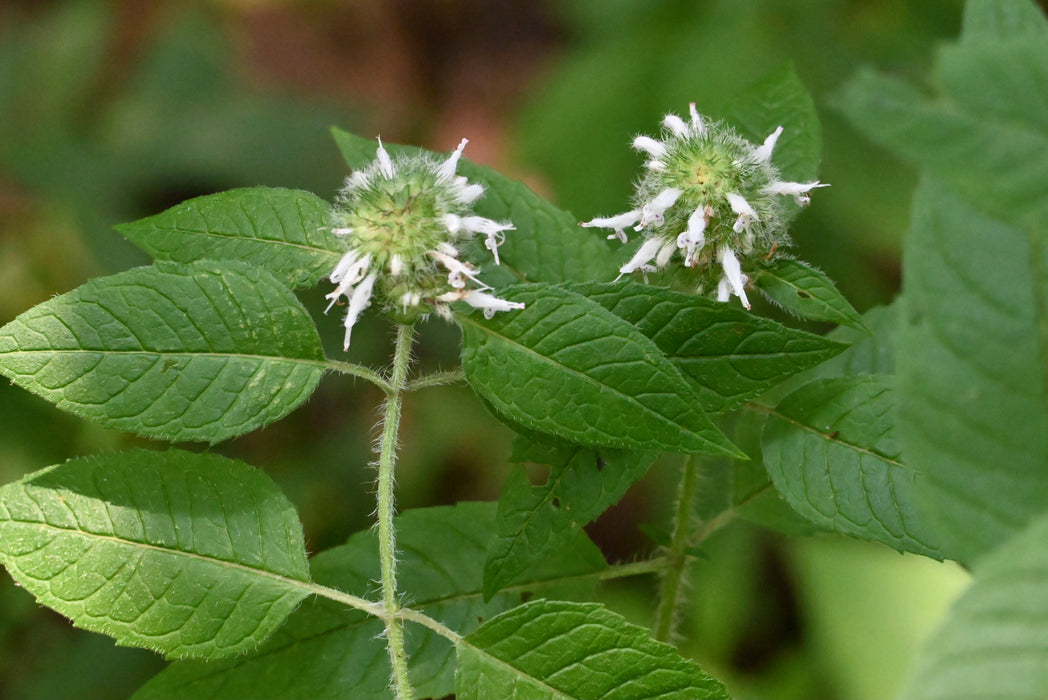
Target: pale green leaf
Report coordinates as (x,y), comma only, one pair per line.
(192,555)
(971,357)
(180,352)
(806,292)
(831,450)
(1002,19)
(329,651)
(547,650)
(568,367)
(994,643)
(284,231)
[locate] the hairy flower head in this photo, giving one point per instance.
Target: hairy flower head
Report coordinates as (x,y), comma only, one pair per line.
(404,220)
(711,200)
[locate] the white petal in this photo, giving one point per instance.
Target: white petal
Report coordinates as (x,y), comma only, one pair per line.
(733,273)
(763,152)
(385,163)
(665,253)
(356,180)
(347,260)
(723,290)
(653,210)
(740,206)
(490,303)
(698,126)
(617,222)
(648,250)
(357,303)
(655,149)
(798,190)
(695,235)
(457,270)
(396,265)
(446,171)
(675,124)
(466,193)
(342,231)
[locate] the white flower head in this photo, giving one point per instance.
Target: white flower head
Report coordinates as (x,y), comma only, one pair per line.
(711,200)
(400,219)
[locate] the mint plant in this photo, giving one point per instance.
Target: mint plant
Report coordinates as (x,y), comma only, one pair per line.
(921,426)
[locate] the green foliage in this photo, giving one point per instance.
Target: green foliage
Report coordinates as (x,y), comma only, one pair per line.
(181,352)
(190,555)
(562,651)
(328,651)
(284,231)
(568,367)
(806,292)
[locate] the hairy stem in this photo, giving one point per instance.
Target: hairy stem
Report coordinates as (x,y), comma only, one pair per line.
(673,579)
(387,545)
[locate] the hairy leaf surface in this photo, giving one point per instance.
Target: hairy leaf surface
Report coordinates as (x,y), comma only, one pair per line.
(329,651)
(284,231)
(806,292)
(568,367)
(830,448)
(191,555)
(181,352)
(552,650)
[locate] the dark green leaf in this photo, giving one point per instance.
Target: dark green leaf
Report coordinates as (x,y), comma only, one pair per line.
(993,642)
(733,356)
(972,369)
(536,520)
(192,555)
(807,293)
(568,367)
(831,450)
(563,651)
(328,651)
(181,352)
(284,231)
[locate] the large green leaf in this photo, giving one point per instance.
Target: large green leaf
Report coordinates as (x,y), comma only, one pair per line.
(329,651)
(807,292)
(547,245)
(568,367)
(548,650)
(733,356)
(534,521)
(830,448)
(992,645)
(1007,19)
(192,555)
(285,231)
(181,352)
(973,373)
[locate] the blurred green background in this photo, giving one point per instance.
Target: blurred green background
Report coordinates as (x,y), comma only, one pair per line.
(110,111)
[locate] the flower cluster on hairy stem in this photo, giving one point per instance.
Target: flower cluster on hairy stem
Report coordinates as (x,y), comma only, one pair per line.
(404,221)
(711,197)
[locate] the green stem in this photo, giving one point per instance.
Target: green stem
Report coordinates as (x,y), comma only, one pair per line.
(673,580)
(387,545)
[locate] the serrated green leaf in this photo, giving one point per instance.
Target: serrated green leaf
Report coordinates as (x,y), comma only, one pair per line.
(780,99)
(180,352)
(284,231)
(992,644)
(568,367)
(830,448)
(191,555)
(1002,19)
(536,520)
(806,292)
(733,356)
(328,651)
(547,245)
(566,651)
(972,369)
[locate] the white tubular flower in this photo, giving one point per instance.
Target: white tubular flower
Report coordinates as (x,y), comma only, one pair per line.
(710,201)
(359,301)
(733,274)
(618,222)
(652,211)
(647,251)
(489,303)
(746,213)
(763,153)
(798,190)
(399,219)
